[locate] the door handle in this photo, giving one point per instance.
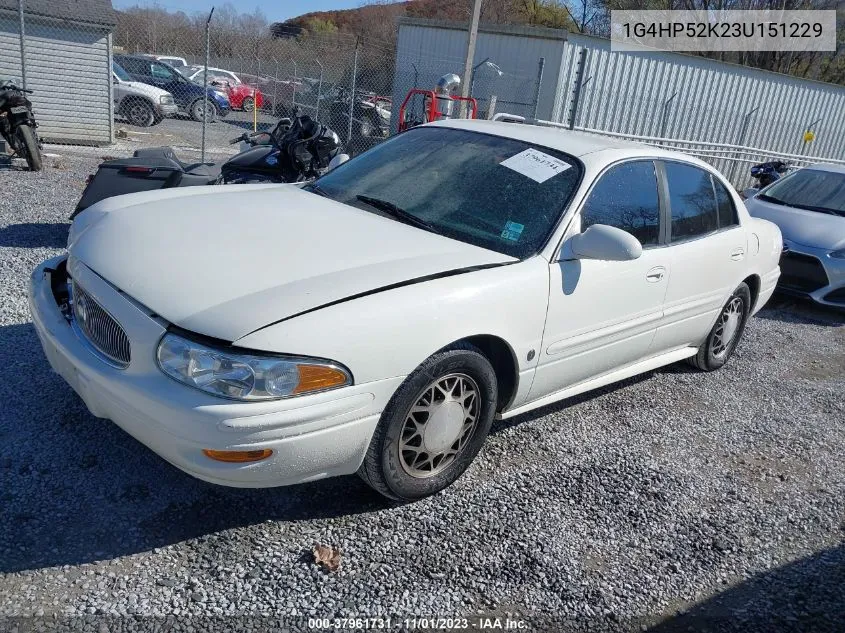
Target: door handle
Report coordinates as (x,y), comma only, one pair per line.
(738,254)
(655,274)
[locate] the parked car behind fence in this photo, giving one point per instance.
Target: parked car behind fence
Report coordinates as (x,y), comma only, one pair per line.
(190,98)
(142,104)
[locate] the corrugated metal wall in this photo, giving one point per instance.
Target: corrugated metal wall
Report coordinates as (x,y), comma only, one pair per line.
(427,49)
(637,94)
(67,65)
(685,97)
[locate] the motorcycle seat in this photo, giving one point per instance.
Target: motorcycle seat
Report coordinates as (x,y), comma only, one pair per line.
(199,170)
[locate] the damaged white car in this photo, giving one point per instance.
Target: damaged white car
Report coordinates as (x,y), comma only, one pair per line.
(377,320)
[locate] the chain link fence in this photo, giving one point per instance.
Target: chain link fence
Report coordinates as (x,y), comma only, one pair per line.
(146,77)
(139,78)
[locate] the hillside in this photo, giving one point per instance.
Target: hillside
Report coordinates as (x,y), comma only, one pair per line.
(378,19)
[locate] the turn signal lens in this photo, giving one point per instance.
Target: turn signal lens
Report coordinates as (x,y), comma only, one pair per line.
(238,457)
(317,377)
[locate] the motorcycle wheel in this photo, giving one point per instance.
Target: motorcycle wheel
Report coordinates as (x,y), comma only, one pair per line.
(28,144)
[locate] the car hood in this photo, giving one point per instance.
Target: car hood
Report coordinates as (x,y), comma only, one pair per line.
(225,261)
(808,228)
(146,89)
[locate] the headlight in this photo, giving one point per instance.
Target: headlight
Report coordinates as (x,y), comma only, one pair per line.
(166,100)
(840,254)
(244,376)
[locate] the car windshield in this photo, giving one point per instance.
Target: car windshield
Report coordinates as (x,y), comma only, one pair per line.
(121,74)
(498,193)
(810,189)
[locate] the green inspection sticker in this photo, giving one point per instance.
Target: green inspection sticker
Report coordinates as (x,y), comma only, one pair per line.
(512,231)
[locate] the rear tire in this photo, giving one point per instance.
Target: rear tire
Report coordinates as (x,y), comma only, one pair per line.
(249,104)
(29,146)
(433,426)
(726,333)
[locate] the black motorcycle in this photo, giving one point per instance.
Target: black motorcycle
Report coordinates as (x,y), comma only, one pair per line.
(17,125)
(765,174)
(295,150)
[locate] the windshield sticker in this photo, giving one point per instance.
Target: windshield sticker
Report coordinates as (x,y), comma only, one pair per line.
(512,231)
(537,165)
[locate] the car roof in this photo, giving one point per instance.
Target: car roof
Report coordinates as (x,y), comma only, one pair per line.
(578,144)
(829,167)
(200,67)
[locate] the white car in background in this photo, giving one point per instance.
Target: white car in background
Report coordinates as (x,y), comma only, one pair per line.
(195,72)
(141,104)
(176,62)
(378,319)
(809,207)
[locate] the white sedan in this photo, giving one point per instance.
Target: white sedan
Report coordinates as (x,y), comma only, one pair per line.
(377,320)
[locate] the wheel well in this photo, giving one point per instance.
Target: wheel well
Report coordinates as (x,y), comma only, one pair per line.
(128,101)
(753,283)
(501,356)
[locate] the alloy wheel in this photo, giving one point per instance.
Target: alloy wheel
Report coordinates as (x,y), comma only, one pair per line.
(140,114)
(439,425)
(727,327)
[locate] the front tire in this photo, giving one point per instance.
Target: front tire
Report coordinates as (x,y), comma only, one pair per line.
(197,107)
(433,426)
(140,113)
(248,105)
(29,146)
(726,333)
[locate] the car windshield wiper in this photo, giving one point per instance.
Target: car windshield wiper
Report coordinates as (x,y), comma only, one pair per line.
(763,196)
(396,212)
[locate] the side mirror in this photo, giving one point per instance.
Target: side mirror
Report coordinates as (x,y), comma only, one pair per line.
(604,242)
(748,193)
(338,160)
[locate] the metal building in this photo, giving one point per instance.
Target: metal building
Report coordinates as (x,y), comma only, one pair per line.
(728,114)
(67,62)
(428,49)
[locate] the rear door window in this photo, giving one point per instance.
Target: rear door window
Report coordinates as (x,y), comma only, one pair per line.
(692,199)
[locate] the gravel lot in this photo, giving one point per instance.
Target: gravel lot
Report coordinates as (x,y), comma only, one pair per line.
(674,501)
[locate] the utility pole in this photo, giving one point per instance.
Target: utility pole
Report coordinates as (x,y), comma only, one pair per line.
(473,33)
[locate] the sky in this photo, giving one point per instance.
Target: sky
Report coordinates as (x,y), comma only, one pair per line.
(275,10)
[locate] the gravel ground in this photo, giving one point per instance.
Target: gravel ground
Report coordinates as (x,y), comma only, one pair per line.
(674,501)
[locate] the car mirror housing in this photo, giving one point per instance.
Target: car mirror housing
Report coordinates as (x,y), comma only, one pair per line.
(607,243)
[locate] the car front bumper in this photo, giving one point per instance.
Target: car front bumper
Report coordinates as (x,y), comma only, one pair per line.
(312,437)
(167,110)
(811,272)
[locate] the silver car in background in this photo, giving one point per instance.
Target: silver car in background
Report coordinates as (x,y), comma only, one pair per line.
(809,207)
(141,104)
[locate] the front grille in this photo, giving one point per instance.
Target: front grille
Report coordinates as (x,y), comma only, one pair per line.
(99,328)
(801,272)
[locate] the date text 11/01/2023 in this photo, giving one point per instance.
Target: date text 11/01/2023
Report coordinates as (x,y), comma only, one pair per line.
(476,623)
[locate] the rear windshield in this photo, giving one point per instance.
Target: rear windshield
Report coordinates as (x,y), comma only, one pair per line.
(810,189)
(499,193)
